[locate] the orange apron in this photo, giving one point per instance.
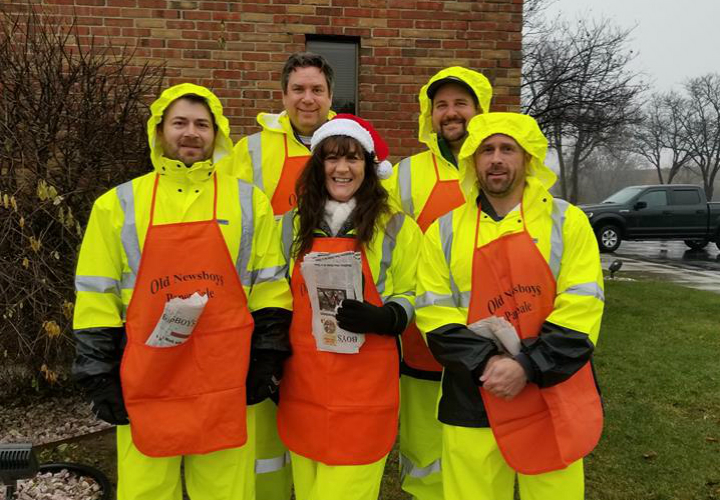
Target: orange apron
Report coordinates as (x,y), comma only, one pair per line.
(444,197)
(284,197)
(187,399)
(338,409)
(540,430)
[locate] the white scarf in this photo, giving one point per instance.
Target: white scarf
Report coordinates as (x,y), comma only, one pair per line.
(336,213)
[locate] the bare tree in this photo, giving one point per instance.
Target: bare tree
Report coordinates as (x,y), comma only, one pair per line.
(702,127)
(660,137)
(608,169)
(577,84)
(73,120)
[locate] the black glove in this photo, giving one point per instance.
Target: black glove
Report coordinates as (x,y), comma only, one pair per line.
(363,317)
(107,400)
(264,374)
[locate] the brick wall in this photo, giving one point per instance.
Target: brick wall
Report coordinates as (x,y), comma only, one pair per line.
(238,48)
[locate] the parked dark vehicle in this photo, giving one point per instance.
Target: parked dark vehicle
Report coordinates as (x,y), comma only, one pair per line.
(658,212)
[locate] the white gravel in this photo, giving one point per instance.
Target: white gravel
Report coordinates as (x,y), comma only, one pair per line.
(47,420)
(61,485)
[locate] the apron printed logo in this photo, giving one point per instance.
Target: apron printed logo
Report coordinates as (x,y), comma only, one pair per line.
(158,284)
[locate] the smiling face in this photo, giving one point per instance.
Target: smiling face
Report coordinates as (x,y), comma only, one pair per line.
(307,99)
(187,133)
(344,165)
(500,167)
(452,109)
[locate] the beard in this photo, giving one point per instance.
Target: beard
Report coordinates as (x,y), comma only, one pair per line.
(498,187)
(458,132)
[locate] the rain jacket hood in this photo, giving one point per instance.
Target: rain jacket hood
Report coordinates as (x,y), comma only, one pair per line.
(223,143)
(476,81)
(524,129)
(279,122)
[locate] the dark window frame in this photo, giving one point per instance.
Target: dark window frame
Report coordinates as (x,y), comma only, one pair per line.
(654,192)
(676,197)
(353,41)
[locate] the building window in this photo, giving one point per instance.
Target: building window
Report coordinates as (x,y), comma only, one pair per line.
(342,54)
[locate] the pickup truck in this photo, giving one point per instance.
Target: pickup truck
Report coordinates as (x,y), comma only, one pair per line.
(657,212)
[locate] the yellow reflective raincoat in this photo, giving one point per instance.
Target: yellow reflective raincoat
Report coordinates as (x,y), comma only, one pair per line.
(391,256)
(108,264)
(565,240)
(259,158)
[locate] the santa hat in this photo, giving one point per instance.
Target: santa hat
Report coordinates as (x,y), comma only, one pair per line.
(363,132)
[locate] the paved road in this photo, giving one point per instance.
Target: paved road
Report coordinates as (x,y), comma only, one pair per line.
(671,260)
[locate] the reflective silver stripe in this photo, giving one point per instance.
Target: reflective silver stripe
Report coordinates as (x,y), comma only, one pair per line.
(405,184)
(392,229)
(556,235)
(464,299)
(435,299)
(128,234)
(265,465)
(99,284)
(255,149)
(246,236)
(408,468)
(287,234)
(446,238)
(587,289)
(128,281)
(268,274)
(404,303)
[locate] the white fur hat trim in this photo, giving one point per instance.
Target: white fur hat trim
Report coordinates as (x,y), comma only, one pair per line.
(384,169)
(342,126)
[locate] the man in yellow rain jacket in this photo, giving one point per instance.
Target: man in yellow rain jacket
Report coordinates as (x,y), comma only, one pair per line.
(180,231)
(272,159)
(510,298)
(426,185)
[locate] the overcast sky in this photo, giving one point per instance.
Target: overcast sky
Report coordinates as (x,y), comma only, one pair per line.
(676,39)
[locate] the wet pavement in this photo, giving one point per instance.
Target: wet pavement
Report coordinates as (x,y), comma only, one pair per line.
(671,260)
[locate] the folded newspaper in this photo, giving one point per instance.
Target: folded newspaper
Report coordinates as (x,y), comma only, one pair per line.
(500,331)
(177,321)
(331,278)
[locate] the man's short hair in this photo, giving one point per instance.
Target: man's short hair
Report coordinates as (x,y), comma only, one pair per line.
(306,60)
(194,98)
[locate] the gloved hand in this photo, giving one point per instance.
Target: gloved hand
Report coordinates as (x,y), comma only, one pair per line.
(105,393)
(363,317)
(264,374)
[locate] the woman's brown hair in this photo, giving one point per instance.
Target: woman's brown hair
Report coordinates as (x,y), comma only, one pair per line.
(371,197)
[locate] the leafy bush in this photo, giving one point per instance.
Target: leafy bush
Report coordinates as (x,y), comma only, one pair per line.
(72,125)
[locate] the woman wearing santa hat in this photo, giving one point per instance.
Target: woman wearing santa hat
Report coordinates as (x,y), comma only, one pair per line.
(338,411)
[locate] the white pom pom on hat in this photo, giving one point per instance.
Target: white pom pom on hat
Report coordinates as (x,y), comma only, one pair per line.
(363,132)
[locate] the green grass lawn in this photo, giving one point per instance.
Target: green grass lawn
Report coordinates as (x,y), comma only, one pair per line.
(658,363)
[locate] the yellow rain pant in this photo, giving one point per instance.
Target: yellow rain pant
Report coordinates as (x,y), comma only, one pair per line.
(473,467)
(420,439)
(317,481)
(220,475)
(273,474)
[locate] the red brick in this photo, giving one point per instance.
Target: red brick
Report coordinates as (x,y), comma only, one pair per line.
(123,23)
(358,12)
(255,56)
(384,32)
(329,11)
